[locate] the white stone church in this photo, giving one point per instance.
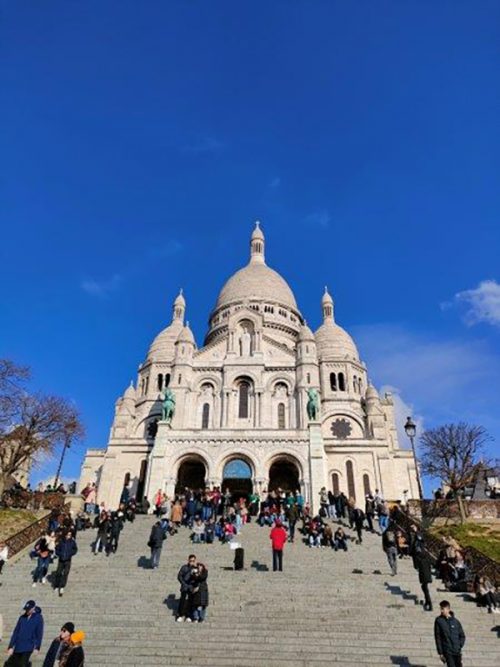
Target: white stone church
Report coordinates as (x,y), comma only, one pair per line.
(240,417)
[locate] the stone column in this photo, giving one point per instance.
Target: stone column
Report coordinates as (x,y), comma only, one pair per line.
(317,464)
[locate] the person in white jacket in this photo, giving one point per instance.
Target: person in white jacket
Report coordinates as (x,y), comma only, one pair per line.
(4,554)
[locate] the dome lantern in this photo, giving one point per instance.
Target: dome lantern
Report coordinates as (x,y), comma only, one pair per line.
(327,306)
(257,245)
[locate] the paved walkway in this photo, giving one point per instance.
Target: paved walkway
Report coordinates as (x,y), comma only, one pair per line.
(318,612)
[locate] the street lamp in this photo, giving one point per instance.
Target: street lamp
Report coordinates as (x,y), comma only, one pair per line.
(411,431)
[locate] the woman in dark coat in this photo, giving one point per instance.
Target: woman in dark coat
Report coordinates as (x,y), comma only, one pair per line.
(425,578)
(200,594)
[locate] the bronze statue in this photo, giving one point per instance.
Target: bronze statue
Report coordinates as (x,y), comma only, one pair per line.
(312,404)
(168,406)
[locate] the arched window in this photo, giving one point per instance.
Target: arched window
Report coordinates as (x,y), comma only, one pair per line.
(166,380)
(243,400)
(160,381)
(281,415)
(205,415)
(333,381)
(335,483)
(355,384)
(360,386)
(143,386)
(350,480)
(366,484)
(341,382)
(309,378)
(146,389)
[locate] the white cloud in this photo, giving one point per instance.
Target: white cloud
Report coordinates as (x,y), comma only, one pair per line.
(319,218)
(102,288)
(402,410)
(482,303)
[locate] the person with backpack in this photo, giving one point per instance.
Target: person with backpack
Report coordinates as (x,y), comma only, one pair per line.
(391,550)
(449,636)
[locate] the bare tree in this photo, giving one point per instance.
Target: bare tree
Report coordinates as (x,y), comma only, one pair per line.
(453,453)
(31,425)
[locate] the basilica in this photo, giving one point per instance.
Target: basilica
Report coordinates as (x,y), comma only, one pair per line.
(240,417)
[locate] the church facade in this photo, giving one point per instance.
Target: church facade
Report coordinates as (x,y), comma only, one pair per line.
(241,416)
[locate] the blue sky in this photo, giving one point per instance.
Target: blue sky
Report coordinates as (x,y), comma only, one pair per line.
(140,141)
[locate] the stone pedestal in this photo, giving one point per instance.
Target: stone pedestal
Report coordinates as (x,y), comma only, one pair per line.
(317,464)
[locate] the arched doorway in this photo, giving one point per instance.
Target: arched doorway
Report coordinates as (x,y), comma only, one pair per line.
(284,474)
(237,477)
(191,474)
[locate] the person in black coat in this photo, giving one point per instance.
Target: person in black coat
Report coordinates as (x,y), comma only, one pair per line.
(59,645)
(155,543)
(449,636)
(425,578)
(199,600)
(65,550)
(185,578)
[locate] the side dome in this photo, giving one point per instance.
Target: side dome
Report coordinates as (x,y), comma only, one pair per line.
(256,281)
(333,342)
(163,346)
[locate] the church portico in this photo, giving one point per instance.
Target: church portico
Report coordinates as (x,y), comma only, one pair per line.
(294,406)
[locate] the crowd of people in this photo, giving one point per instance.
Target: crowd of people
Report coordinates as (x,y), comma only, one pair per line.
(212,515)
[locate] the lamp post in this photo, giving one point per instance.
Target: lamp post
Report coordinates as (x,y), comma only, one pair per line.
(411,430)
(67,440)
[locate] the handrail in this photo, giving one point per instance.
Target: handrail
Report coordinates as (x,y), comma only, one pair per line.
(30,534)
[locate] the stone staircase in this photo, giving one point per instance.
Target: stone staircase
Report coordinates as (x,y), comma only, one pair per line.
(317,612)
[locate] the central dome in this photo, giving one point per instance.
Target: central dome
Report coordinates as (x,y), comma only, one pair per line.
(256,280)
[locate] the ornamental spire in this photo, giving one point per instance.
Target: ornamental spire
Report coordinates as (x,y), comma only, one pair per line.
(179,307)
(327,306)
(257,244)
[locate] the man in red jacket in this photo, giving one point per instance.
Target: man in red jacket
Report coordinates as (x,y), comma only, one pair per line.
(278,538)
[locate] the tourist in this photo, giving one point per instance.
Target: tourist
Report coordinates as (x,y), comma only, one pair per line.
(292,516)
(103,530)
(358,517)
(198,534)
(177,513)
(323,502)
(157,503)
(485,594)
(332,513)
(449,636)
(351,503)
(315,529)
(340,539)
(91,499)
(185,578)
(59,645)
(155,543)
(390,548)
(74,656)
(425,577)
(4,555)
(43,554)
(415,544)
(370,511)
(229,530)
(27,636)
(383,516)
(278,538)
(210,531)
(402,544)
(199,602)
(328,536)
(115,529)
(65,550)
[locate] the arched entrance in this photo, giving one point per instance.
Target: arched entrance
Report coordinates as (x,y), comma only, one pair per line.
(284,474)
(237,477)
(191,474)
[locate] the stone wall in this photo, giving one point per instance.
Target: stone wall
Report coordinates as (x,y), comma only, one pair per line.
(448,509)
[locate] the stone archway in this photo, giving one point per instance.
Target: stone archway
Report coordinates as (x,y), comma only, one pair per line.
(284,474)
(192,474)
(237,477)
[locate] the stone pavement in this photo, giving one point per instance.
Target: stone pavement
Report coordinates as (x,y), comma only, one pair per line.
(318,612)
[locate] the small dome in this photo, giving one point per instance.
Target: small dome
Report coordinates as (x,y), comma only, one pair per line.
(180,300)
(371,392)
(186,335)
(257,233)
(333,342)
(256,281)
(130,392)
(305,333)
(162,348)
(327,299)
